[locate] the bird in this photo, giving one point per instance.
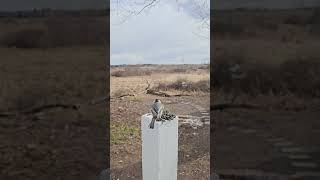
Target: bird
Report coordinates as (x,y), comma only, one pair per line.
(156,110)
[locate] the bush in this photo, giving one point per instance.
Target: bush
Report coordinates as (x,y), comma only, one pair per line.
(59,32)
(179,70)
(298,77)
(185,85)
(131,72)
(76,31)
(26,38)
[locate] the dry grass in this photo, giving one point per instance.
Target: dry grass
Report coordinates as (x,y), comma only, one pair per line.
(26,38)
(277,50)
(54,32)
(34,77)
(32,73)
(185,85)
(137,84)
(297,77)
(131,72)
(146,70)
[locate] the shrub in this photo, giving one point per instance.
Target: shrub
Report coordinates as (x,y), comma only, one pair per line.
(298,77)
(26,38)
(76,31)
(59,32)
(179,70)
(131,72)
(185,85)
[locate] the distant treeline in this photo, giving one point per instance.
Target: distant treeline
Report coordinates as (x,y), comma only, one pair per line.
(50,12)
(261,9)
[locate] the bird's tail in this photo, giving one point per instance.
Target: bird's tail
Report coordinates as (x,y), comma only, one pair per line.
(152,123)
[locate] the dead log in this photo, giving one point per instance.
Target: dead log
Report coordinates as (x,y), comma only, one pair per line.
(163,94)
(157,93)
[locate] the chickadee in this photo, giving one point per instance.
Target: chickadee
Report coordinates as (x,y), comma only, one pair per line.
(156,110)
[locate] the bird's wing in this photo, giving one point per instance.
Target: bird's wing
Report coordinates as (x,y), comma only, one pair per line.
(155,106)
(160,112)
(154,113)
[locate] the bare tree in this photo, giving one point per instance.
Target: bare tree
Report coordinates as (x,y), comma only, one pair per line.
(200,9)
(125,9)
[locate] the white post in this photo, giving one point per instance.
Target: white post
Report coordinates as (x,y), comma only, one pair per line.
(159,149)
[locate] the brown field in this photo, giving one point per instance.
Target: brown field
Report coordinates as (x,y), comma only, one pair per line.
(277,51)
(57,143)
(266,37)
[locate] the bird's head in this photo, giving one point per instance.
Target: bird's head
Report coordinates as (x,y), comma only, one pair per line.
(157,100)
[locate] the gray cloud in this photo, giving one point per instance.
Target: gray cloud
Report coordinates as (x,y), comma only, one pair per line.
(153,39)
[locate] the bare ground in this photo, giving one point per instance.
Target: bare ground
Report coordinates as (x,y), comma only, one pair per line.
(194,152)
(59,143)
(193,142)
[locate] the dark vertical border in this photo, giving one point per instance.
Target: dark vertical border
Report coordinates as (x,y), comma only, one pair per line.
(108,85)
(212,124)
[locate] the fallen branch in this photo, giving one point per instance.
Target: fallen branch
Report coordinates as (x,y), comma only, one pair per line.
(163,94)
(124,95)
(179,95)
(233,106)
(50,106)
(39,109)
(157,93)
(127,95)
(222,107)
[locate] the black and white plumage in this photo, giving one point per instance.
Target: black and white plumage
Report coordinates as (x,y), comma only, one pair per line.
(157,111)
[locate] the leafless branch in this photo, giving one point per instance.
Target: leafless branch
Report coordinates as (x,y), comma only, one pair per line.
(129,8)
(146,6)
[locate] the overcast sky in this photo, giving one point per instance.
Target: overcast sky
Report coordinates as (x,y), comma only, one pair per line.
(168,33)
